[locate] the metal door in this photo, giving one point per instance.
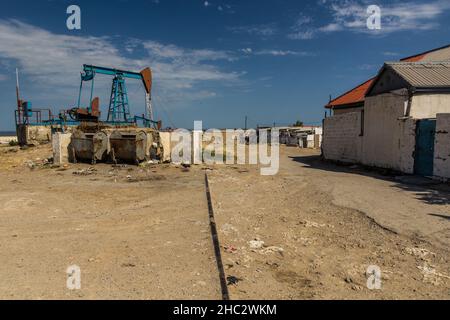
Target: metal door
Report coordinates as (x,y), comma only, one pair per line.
(424,155)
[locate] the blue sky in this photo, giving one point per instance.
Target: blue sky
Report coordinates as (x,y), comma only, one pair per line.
(216,61)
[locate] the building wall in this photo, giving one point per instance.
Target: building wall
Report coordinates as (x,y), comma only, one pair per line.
(346,110)
(389,137)
(341,137)
(442,146)
(428,105)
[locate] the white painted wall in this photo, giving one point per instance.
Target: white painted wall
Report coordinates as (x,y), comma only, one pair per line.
(442,146)
(341,137)
(389,138)
(429,105)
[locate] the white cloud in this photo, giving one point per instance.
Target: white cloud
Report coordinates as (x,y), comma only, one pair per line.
(206,4)
(397,16)
(302,35)
(390,54)
(351,15)
(301,29)
(282,53)
(332,27)
(274,53)
(53,62)
(264,30)
(164,51)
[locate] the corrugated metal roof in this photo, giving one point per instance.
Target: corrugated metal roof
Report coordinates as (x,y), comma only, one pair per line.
(423,74)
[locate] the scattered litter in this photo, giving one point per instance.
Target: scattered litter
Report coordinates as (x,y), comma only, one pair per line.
(430,275)
(38,162)
(232,280)
(154,177)
(148,163)
(230,249)
(85,172)
(420,253)
(228,228)
(128,265)
(120,166)
(256,244)
(312,224)
(272,249)
(30,164)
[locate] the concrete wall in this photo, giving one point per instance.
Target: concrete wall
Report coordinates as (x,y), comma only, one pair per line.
(33,135)
(442,146)
(341,137)
(7,140)
(346,110)
(389,137)
(429,105)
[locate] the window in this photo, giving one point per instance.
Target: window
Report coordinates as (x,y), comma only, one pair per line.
(362,124)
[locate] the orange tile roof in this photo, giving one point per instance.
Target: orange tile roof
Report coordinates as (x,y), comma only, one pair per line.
(414,58)
(357,95)
(353,96)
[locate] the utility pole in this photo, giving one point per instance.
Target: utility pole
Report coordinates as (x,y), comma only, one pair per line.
(18,96)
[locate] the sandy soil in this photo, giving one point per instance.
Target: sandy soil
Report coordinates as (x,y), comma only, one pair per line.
(309,232)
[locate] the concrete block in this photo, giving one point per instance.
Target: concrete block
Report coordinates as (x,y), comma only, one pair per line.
(166,146)
(60,146)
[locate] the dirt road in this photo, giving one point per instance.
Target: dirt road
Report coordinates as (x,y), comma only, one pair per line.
(136,233)
(323,225)
(143,233)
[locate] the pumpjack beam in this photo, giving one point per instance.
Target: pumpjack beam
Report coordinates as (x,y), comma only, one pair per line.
(145,75)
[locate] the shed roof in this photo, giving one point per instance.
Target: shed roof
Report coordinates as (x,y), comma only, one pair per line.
(418,75)
(423,74)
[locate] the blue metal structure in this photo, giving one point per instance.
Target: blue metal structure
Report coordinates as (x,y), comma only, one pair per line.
(118,112)
(119,109)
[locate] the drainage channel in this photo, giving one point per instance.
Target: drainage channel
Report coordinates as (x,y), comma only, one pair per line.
(215,239)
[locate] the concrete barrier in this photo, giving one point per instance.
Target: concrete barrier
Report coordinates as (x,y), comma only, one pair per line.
(166,146)
(60,146)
